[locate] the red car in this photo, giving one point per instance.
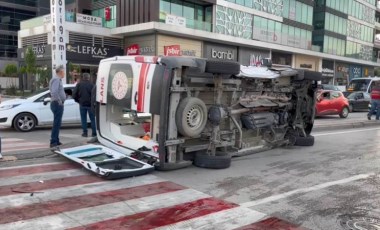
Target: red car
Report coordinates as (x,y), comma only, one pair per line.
(331,102)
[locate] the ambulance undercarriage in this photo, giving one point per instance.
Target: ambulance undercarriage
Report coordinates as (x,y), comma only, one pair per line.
(175,111)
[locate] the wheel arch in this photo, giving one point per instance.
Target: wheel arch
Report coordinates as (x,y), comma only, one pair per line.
(31,113)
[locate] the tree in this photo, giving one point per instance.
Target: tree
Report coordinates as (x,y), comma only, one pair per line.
(30,67)
(10,70)
(44,75)
(377,72)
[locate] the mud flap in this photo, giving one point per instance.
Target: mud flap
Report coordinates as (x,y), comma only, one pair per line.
(105,162)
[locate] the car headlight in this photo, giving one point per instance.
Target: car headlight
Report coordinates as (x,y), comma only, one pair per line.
(5,107)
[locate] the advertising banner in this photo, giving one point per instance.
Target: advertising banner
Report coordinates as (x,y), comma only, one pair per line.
(57,9)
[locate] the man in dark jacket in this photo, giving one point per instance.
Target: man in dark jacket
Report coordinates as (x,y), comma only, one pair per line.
(82,95)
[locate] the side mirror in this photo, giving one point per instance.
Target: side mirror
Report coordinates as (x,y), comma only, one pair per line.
(47,100)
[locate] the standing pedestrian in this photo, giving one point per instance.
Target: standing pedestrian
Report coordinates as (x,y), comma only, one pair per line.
(58,98)
(375,101)
(82,95)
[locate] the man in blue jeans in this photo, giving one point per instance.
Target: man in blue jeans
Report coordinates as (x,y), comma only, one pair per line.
(82,95)
(58,98)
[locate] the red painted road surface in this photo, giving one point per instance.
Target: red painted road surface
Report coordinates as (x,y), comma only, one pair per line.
(64,196)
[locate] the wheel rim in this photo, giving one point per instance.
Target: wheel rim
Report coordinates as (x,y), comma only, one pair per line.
(194,117)
(25,123)
(345,112)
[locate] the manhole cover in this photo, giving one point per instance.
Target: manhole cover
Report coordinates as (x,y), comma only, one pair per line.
(360,223)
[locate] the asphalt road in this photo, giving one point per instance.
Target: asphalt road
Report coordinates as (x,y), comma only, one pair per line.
(332,185)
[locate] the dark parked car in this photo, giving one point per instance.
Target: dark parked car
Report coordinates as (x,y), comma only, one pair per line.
(359,101)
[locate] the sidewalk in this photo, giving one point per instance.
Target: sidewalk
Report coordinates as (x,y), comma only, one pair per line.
(334,122)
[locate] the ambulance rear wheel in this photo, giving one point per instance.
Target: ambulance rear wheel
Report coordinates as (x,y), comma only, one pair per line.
(191,117)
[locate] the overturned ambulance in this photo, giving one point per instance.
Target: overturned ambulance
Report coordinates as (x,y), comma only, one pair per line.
(180,111)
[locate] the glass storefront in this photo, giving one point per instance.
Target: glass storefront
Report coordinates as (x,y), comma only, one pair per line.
(197,16)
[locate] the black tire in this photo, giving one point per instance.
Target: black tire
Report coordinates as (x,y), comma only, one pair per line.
(220,161)
(222,67)
(344,113)
(24,122)
(304,141)
(351,108)
(191,117)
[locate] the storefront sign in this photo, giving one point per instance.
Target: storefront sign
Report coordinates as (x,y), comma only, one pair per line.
(41,51)
(88,52)
(327,69)
(175,20)
(89,20)
(173,50)
(355,71)
(252,57)
(133,49)
(306,66)
(57,9)
(217,54)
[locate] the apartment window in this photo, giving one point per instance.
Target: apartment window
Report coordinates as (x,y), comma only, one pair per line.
(197,16)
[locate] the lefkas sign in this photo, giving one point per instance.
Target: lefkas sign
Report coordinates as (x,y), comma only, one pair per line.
(92,50)
(57,9)
(228,55)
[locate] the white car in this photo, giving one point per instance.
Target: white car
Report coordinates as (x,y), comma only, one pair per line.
(26,113)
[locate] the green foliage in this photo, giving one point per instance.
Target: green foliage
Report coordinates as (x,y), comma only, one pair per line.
(377,72)
(44,76)
(11,90)
(30,61)
(22,70)
(10,70)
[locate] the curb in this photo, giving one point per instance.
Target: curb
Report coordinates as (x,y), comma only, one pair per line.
(350,125)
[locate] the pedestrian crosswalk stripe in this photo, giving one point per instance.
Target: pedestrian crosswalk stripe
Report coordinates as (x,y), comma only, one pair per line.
(63,196)
(41,177)
(17,144)
(73,191)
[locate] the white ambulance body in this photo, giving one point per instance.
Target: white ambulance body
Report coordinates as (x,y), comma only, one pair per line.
(182,110)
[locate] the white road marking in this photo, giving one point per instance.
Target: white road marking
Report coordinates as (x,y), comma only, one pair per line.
(100,213)
(226,219)
(31,165)
(42,176)
(76,190)
(305,190)
(344,132)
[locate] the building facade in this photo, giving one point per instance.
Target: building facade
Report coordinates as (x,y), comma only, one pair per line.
(335,37)
(12,12)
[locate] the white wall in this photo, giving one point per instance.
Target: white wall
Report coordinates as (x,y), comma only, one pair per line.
(7,82)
